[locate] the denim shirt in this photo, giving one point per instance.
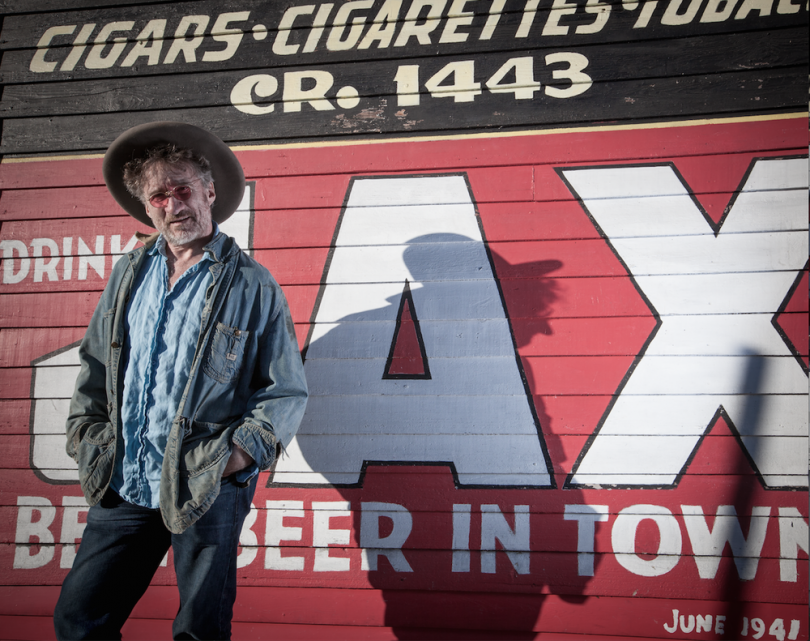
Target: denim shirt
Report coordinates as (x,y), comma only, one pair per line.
(162,328)
(245,385)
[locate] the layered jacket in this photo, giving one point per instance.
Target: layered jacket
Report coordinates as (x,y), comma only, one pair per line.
(246,385)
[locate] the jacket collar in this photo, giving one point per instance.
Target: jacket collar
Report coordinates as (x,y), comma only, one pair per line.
(220,249)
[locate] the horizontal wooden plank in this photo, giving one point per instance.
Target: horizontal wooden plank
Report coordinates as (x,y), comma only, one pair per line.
(549,573)
(548,528)
(17,34)
(768,137)
(305,267)
(92,202)
(431,503)
(25,211)
(64,205)
(19,347)
(607,63)
(578,373)
(10,7)
(733,93)
(274,198)
(581,337)
(595,298)
(509,15)
(730,475)
(36,629)
(561,414)
(77,307)
(14,417)
(17,448)
(43,265)
(272,229)
(564,450)
(369,608)
(25,309)
(568,281)
(548,375)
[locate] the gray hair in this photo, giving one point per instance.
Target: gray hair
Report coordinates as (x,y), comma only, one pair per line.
(136,171)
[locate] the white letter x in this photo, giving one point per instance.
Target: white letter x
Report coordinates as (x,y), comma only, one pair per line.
(715,347)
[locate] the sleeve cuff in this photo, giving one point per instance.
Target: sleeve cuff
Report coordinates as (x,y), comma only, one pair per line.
(257,441)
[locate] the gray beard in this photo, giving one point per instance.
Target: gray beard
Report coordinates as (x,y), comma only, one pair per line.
(183,237)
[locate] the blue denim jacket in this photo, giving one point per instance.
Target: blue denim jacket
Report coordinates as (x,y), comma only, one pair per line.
(246,385)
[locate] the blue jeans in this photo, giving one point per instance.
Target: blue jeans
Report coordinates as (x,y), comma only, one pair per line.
(120,551)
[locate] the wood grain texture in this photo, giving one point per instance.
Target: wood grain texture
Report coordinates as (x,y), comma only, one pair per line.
(684,57)
(773,91)
(602,335)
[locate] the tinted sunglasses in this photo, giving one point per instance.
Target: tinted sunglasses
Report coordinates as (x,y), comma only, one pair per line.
(161,198)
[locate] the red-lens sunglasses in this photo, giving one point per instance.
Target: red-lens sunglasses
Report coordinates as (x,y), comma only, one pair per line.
(181,192)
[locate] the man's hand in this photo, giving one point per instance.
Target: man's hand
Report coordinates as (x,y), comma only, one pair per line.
(239,460)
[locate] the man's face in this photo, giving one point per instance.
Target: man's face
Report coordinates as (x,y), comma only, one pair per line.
(180,222)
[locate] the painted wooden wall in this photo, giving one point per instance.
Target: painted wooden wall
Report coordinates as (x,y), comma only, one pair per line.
(547,261)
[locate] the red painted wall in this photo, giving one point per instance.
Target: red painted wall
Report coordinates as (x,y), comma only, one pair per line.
(470,541)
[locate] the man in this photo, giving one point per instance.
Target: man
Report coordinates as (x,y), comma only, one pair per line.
(191,381)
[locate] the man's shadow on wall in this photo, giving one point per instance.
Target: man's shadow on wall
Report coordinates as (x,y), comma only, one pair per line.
(474,610)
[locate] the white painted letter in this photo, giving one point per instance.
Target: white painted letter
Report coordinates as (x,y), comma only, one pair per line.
(559,9)
(473,411)
(762,7)
(335,42)
(38,62)
(461,537)
(188,47)
(94,59)
(715,295)
(294,94)
(389,546)
(422,31)
(793,535)
(97,260)
(229,35)
(714,13)
(152,32)
(624,540)
(515,542)
(586,517)
(9,247)
(457,17)
(117,251)
(323,536)
(280,46)
(262,85)
(41,266)
(72,530)
(248,539)
(276,531)
(672,17)
(708,545)
(28,528)
(672,629)
(67,251)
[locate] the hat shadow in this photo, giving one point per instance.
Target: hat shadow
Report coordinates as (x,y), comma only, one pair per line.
(465,607)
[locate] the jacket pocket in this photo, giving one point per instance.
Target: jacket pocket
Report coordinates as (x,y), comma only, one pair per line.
(224,359)
(205,448)
(96,457)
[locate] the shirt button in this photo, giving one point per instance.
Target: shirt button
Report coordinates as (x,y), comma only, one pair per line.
(115,346)
(238,332)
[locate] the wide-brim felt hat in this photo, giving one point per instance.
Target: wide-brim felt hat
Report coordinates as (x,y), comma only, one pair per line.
(229,178)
